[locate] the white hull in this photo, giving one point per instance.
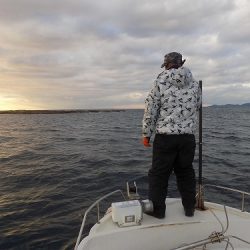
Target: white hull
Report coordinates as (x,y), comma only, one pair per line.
(175,230)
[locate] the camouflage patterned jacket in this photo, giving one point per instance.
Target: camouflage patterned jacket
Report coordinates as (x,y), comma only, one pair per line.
(172,104)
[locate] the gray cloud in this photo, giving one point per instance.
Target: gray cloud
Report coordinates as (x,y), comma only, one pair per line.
(83,54)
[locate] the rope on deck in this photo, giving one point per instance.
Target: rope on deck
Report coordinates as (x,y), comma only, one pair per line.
(215,237)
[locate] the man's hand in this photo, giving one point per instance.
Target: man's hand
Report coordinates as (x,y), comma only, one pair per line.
(145,141)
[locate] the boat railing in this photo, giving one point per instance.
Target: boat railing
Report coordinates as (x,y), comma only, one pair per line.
(97,205)
(243,193)
(218,237)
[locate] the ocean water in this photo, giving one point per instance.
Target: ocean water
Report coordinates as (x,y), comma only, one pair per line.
(52,167)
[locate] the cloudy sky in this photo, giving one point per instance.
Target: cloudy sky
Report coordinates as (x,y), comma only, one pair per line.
(64,54)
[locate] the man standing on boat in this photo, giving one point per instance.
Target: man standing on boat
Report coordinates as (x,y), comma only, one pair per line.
(171,113)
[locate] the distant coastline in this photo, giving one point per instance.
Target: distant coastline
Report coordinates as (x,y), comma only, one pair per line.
(66,111)
(230,105)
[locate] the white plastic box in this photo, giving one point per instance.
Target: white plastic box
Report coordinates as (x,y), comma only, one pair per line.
(127,213)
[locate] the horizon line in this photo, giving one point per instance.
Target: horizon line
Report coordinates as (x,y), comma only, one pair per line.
(98,109)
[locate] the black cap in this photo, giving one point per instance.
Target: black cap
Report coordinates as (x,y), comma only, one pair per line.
(173,58)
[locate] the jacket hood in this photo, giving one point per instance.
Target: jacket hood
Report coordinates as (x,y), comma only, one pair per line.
(180,77)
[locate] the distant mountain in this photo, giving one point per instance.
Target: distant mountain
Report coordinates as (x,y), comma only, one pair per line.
(232,105)
(246,104)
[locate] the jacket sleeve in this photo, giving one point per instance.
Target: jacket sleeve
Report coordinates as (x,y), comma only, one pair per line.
(152,107)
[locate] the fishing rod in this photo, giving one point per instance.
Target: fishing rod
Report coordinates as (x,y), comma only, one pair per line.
(200,198)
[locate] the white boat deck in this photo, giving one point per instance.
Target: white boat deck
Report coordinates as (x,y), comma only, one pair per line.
(174,231)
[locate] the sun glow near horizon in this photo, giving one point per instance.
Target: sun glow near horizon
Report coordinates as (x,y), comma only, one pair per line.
(6,103)
(15,103)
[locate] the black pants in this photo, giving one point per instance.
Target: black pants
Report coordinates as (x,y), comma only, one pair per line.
(172,152)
